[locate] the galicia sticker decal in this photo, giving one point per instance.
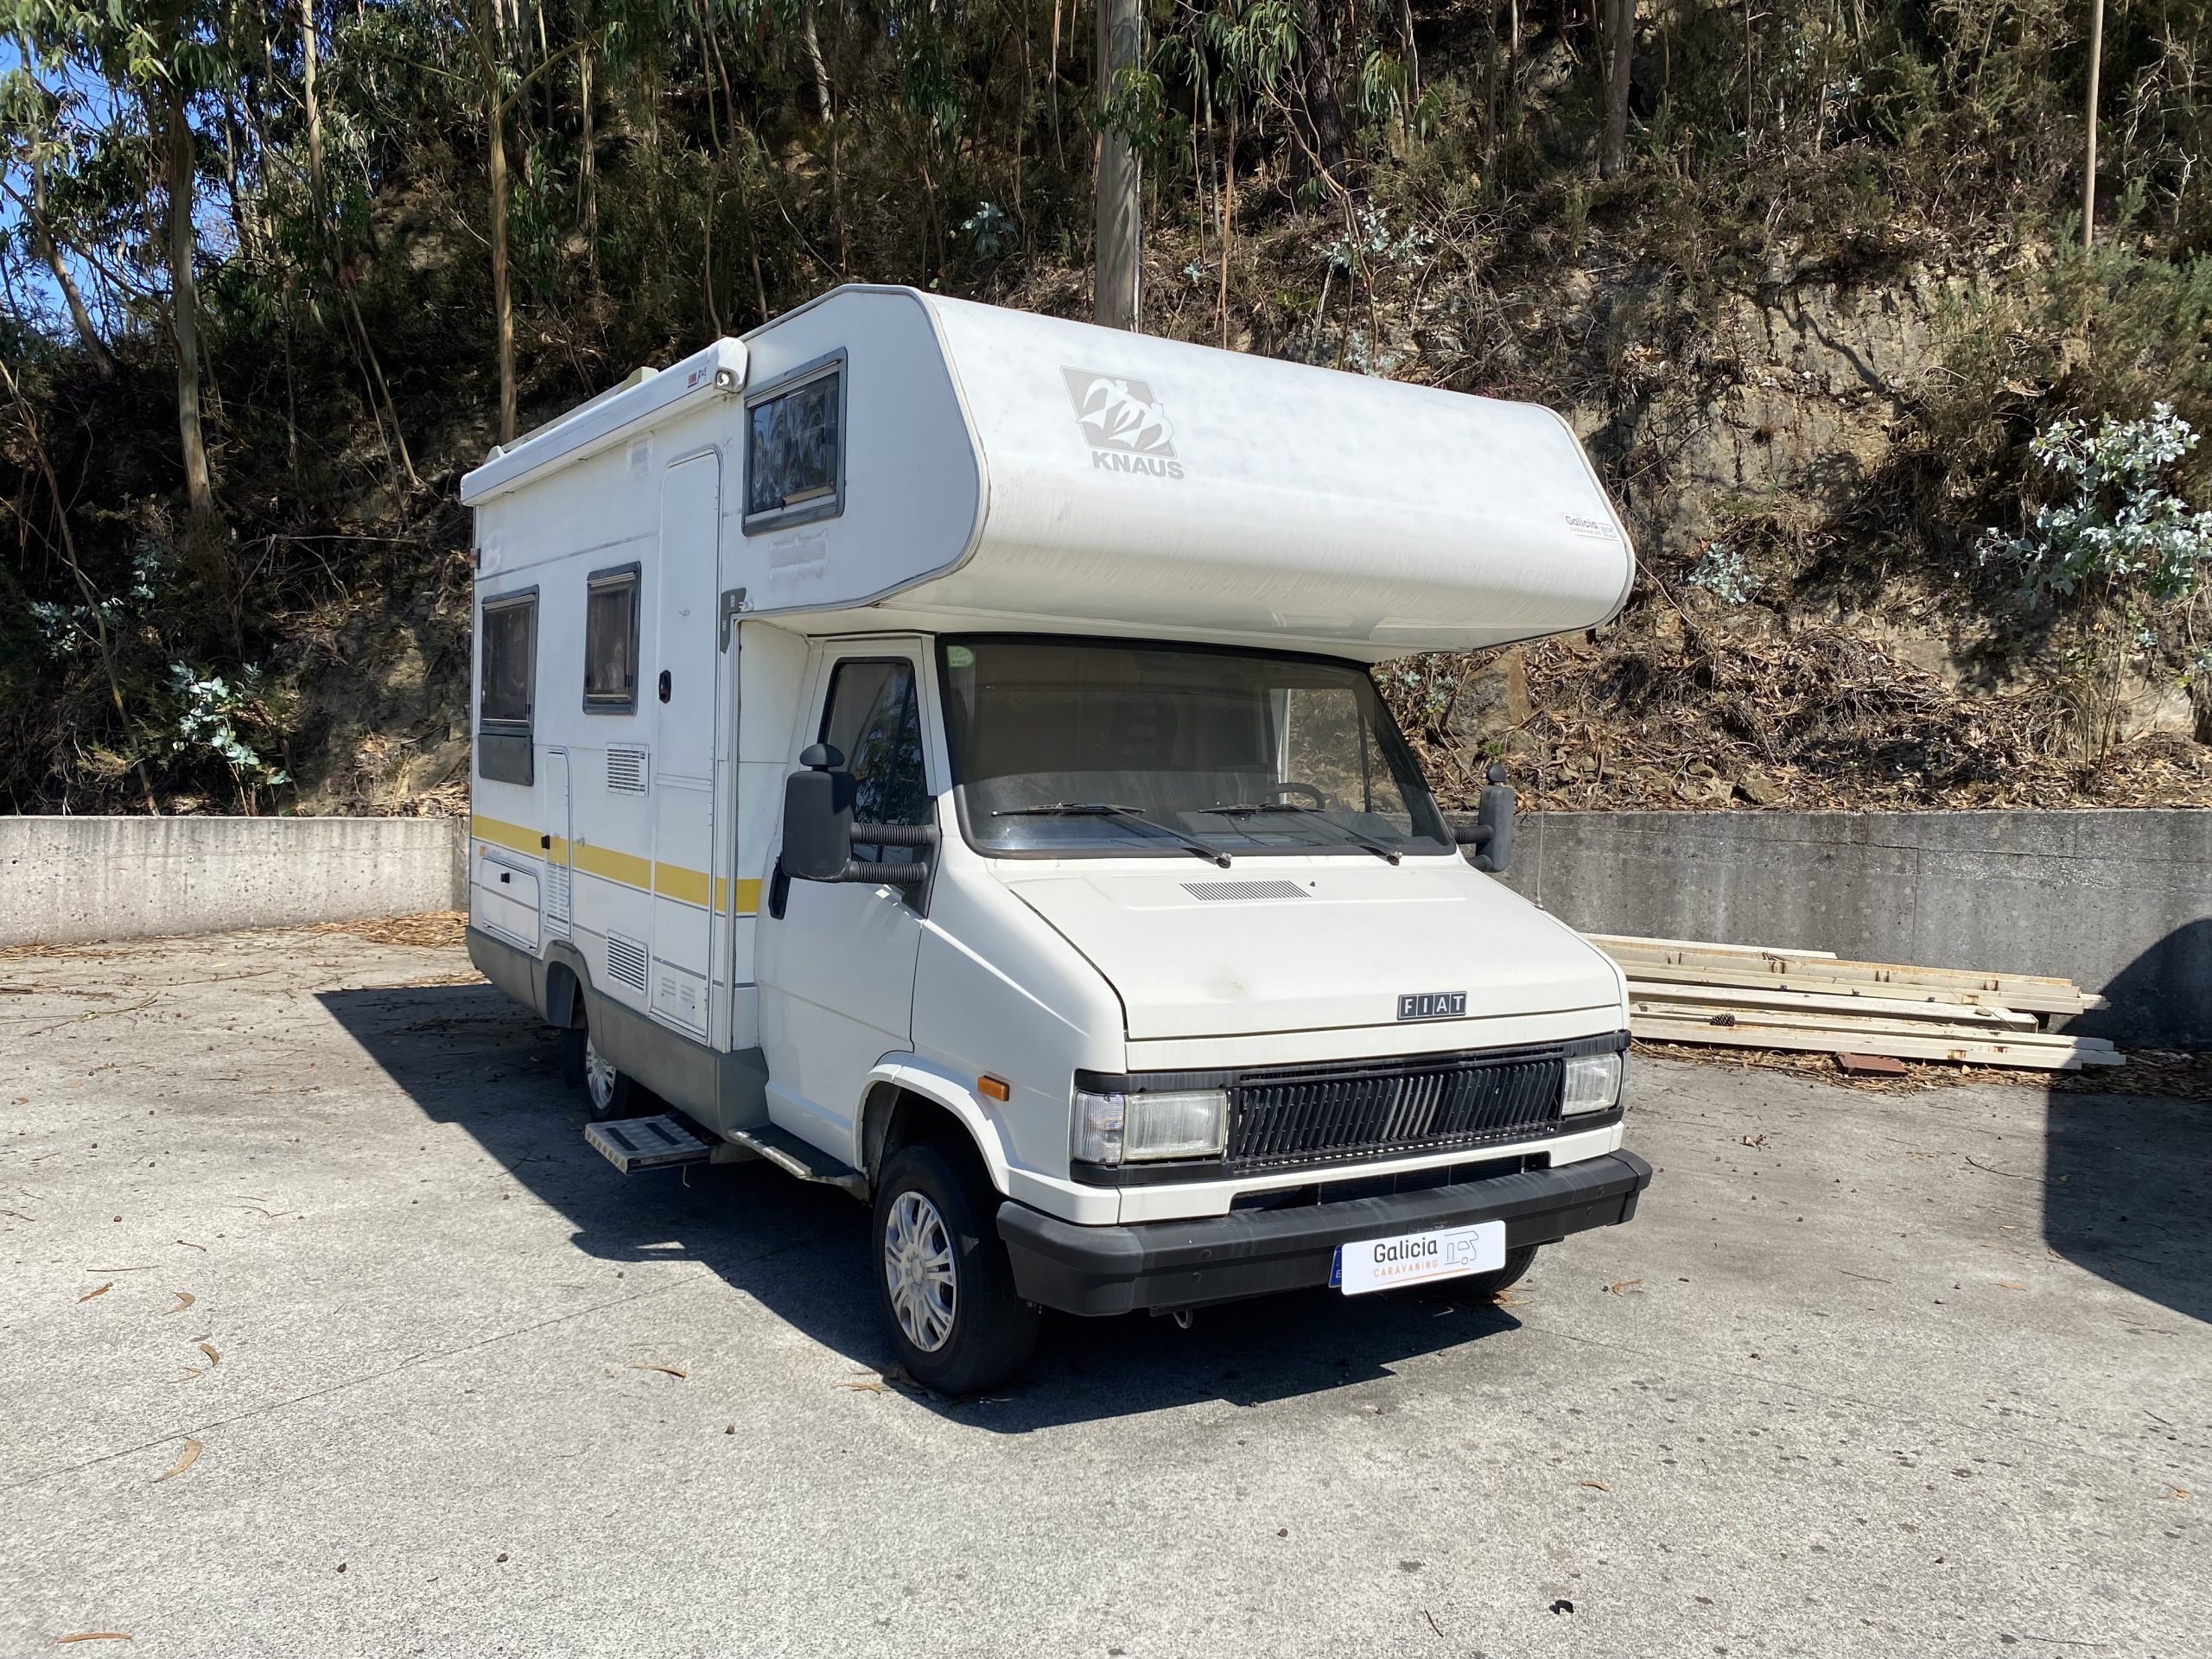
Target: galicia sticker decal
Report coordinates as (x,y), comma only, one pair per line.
(1123,423)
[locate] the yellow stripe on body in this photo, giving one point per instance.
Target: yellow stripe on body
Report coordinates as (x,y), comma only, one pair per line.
(625,869)
(502,834)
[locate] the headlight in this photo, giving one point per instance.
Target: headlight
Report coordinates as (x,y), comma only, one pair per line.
(1593,1085)
(1134,1129)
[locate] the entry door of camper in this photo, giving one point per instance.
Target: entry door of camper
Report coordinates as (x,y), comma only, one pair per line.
(683,790)
(836,969)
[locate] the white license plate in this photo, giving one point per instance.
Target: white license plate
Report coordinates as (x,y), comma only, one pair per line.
(1418,1258)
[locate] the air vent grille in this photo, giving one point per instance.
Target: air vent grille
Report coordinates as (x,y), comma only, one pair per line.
(1243,889)
(626,960)
(626,769)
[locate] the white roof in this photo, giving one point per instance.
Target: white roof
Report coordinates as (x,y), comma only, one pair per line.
(1010,471)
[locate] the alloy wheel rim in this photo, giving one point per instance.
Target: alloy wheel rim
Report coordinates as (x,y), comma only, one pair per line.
(918,1271)
(599,1076)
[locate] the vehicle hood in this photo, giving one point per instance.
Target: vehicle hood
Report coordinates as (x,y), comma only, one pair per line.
(1284,945)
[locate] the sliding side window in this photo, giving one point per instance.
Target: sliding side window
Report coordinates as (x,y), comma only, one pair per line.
(611,642)
(506,654)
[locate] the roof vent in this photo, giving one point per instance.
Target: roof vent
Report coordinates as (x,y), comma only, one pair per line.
(1243,889)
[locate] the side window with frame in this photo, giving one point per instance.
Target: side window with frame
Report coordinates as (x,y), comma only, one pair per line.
(611,641)
(874,717)
(795,448)
(508,666)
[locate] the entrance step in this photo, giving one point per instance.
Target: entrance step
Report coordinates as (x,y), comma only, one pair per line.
(634,1143)
(794,1157)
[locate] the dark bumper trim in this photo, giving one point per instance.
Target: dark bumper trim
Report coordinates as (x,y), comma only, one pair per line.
(1170,1264)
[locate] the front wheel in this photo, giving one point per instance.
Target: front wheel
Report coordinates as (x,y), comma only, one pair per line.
(942,1280)
(1487,1286)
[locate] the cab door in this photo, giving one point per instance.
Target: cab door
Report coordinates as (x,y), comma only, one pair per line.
(837,967)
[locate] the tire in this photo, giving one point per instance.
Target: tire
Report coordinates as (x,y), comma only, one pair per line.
(1485,1287)
(943,1282)
(608,1094)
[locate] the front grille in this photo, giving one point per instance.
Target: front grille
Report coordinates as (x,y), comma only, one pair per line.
(1404,1107)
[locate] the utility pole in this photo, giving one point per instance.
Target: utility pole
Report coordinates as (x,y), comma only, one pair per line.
(2090,163)
(1121,33)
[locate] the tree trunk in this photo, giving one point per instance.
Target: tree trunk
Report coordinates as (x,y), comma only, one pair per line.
(588,167)
(812,37)
(1118,225)
(1612,152)
(184,297)
(489,37)
(2089,158)
(42,243)
(1323,104)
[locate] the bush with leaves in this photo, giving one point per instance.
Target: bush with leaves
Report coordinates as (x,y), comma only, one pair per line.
(2123,547)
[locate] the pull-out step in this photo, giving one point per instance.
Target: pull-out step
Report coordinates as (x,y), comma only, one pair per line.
(793,1156)
(634,1143)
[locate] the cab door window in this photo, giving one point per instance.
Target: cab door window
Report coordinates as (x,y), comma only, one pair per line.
(873,716)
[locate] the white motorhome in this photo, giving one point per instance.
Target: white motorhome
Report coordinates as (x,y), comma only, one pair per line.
(932,747)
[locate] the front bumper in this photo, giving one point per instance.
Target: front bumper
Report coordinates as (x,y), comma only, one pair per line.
(1171,1264)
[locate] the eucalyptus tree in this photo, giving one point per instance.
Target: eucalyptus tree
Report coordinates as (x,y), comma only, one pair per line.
(155,63)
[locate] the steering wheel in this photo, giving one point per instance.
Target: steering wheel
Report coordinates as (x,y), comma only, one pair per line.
(1320,800)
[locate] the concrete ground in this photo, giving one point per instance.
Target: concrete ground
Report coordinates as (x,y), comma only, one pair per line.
(1882,1375)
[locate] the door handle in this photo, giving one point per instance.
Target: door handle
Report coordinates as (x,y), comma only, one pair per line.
(667,684)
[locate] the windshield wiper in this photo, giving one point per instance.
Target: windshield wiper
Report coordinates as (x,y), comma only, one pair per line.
(1352,837)
(1108,809)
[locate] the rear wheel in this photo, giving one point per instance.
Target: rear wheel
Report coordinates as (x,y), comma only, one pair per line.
(608,1093)
(942,1278)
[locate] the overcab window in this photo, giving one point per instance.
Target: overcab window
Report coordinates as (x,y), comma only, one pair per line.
(507,658)
(795,448)
(611,642)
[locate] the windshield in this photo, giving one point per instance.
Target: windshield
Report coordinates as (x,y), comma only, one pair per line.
(1083,746)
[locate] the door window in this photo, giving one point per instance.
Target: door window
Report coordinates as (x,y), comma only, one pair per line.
(874,717)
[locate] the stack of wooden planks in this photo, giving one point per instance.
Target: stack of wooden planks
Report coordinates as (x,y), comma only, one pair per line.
(1755,996)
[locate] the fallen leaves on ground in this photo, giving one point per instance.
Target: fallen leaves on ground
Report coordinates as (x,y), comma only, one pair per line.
(93,1635)
(102,1291)
(1622,1286)
(186,1458)
(1598,1484)
(668,1371)
(184,1298)
(213,1359)
(434,929)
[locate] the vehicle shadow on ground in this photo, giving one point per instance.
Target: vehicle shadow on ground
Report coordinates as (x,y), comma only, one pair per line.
(468,1057)
(2127,1179)
(2127,1193)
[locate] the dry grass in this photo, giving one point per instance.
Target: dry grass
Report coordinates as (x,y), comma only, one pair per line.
(436,930)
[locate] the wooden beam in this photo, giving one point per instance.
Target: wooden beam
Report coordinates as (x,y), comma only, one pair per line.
(1988,1051)
(1841,1001)
(1842,1027)
(1988,990)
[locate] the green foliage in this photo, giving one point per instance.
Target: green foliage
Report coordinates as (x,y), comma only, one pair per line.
(677,169)
(2121,530)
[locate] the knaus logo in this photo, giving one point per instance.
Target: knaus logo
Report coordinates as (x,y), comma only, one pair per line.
(1125,426)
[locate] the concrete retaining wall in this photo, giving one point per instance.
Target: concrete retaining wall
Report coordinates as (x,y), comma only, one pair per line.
(71,879)
(2120,901)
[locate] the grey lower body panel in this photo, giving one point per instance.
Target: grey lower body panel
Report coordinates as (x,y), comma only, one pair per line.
(1174,1264)
(721,1090)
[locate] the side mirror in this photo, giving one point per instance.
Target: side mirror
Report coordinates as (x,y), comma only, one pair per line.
(1495,813)
(818,816)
